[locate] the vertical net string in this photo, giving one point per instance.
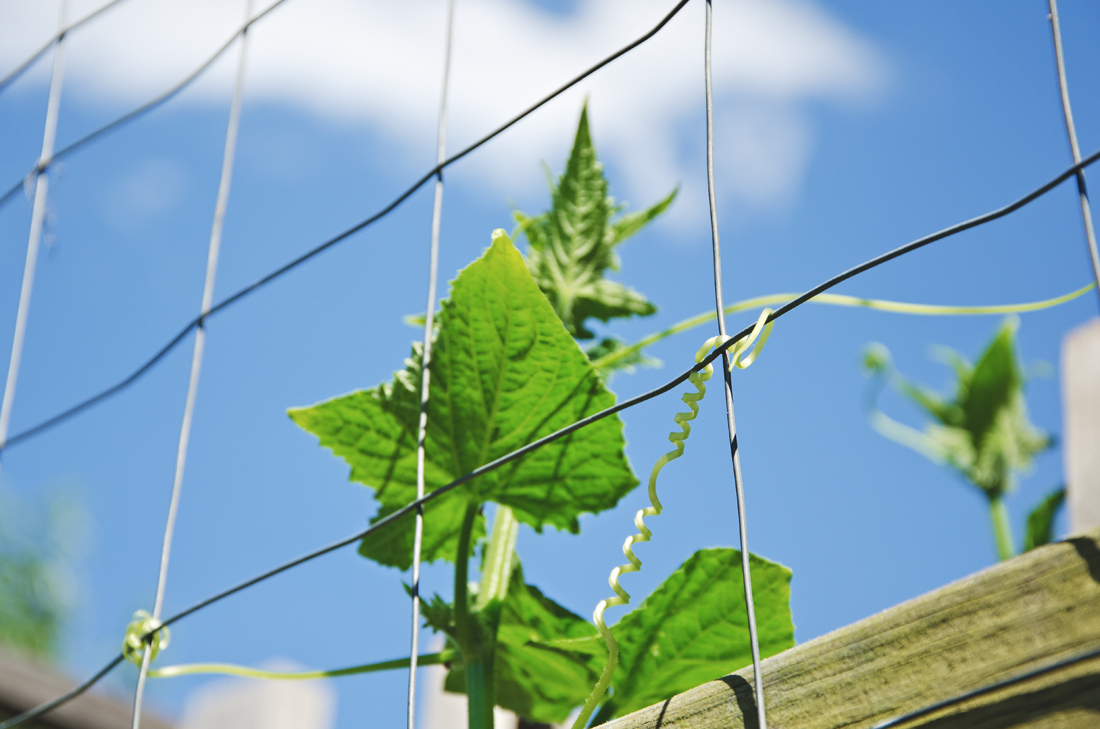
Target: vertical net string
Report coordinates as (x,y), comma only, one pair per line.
(38,216)
(1071,130)
(738,484)
(200,344)
(425,372)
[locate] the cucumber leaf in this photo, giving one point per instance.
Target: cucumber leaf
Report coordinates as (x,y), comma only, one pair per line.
(504,373)
(1040,522)
(534,679)
(573,244)
(694,628)
(983,430)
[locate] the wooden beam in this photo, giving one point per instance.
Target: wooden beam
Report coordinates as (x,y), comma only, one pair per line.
(1018,616)
(24,684)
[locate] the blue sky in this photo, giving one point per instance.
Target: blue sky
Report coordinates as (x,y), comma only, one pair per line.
(844,130)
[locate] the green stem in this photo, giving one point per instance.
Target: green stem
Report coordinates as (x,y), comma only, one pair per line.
(479,658)
(496,569)
(896,307)
(228,669)
(480,693)
(462,572)
(1002,529)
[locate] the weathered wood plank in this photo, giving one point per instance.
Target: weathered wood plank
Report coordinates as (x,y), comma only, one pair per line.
(1017,616)
(25,684)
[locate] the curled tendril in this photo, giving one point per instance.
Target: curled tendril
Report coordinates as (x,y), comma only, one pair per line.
(135,642)
(737,359)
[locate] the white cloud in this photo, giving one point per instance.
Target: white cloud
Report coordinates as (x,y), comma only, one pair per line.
(379,63)
(152,187)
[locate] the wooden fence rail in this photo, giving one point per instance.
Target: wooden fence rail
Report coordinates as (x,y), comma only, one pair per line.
(1018,616)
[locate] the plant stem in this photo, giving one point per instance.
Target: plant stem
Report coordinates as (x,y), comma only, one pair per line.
(496,569)
(479,691)
(462,572)
(897,307)
(1002,529)
(470,639)
(190,669)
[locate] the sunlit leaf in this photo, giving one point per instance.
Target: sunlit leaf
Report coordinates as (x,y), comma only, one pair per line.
(504,373)
(540,683)
(694,628)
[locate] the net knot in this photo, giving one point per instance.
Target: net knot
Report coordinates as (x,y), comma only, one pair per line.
(144,631)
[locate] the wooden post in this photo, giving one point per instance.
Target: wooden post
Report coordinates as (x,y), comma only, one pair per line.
(1081,409)
(1017,616)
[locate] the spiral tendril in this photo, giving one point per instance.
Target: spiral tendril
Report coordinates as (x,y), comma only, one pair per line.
(737,359)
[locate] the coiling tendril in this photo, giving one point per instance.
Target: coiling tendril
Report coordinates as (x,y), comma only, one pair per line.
(135,643)
(737,359)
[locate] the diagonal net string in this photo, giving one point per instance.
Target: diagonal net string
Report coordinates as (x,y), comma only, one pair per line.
(142,110)
(62,31)
(38,216)
(338,238)
(425,372)
(1071,131)
(626,404)
(519,453)
(220,207)
(738,483)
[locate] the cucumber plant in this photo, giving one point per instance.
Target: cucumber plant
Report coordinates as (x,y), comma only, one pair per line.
(506,372)
(507,369)
(981,431)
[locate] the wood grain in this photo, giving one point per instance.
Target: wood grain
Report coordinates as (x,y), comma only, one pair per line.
(1032,611)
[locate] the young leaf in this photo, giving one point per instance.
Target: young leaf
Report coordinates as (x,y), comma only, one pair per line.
(994,382)
(504,373)
(573,244)
(1040,522)
(983,431)
(694,628)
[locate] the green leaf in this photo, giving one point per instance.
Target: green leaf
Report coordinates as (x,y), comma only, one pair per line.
(631,223)
(34,569)
(694,628)
(504,373)
(537,682)
(533,677)
(573,244)
(994,382)
(438,614)
(1040,522)
(983,431)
